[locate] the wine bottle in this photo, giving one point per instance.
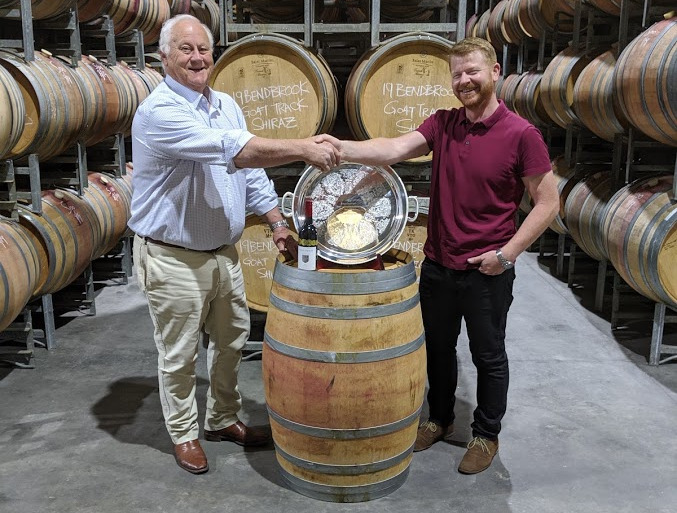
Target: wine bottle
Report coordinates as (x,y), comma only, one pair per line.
(308,240)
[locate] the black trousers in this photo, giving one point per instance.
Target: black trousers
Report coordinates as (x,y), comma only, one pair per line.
(447,297)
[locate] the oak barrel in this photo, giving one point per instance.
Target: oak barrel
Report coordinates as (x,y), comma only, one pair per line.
(514,29)
(54,109)
(208,13)
(179,7)
(89,10)
(480,29)
(557,84)
(43,9)
(584,211)
(12,112)
(527,100)
(284,89)
(594,101)
(644,78)
(507,88)
(344,371)
(258,255)
(19,270)
(398,84)
(495,29)
(559,14)
(147,16)
(531,18)
(640,235)
(68,234)
(112,208)
(125,188)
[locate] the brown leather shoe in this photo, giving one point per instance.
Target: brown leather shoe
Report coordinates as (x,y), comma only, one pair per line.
(430,432)
(190,456)
(240,434)
(478,457)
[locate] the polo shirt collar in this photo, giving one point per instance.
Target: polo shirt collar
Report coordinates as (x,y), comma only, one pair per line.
(490,121)
(193,97)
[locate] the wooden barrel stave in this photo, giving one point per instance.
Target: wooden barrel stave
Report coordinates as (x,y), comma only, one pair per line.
(111,205)
(594,101)
(495,29)
(67,127)
(12,112)
(19,271)
(644,81)
(619,217)
(508,90)
(124,183)
(413,240)
(559,14)
(36,98)
(94,97)
(129,99)
(584,209)
(44,9)
(89,10)
(557,84)
(531,18)
(527,99)
(69,233)
(481,27)
(113,106)
(180,7)
(640,230)
(209,14)
(55,245)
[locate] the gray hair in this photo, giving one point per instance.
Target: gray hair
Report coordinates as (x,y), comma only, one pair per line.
(168,27)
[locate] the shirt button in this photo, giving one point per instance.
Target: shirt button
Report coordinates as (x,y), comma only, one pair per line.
(467,143)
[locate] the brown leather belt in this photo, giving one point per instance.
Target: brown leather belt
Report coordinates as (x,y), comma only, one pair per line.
(174,246)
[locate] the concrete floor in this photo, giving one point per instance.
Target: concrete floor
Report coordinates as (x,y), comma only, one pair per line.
(590,426)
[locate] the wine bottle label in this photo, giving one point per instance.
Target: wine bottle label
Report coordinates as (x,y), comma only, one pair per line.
(307,242)
(307,258)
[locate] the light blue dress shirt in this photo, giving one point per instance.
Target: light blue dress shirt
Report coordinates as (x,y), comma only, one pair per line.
(187,190)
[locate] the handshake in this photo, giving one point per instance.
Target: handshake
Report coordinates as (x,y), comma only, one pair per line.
(323,151)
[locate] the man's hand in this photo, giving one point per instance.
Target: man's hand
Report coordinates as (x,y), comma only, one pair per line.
(284,242)
(487,263)
(323,151)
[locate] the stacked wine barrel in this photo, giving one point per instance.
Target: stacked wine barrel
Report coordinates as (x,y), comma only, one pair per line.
(596,88)
(48,106)
(42,253)
(52,105)
(605,91)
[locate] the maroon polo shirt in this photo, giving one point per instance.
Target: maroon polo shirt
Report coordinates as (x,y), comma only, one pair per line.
(475,185)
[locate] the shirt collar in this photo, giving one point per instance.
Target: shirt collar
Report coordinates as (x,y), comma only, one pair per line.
(193,97)
(490,121)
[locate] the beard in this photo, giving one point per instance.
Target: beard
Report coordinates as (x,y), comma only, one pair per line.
(480,96)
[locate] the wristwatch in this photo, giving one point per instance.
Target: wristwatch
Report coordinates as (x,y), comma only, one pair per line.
(507,264)
(278,224)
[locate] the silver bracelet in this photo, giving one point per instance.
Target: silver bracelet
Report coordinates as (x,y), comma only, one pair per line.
(507,264)
(278,224)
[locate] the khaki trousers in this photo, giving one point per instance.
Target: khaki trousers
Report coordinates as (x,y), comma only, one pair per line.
(188,293)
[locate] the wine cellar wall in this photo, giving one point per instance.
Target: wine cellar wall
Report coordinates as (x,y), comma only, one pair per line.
(594,76)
